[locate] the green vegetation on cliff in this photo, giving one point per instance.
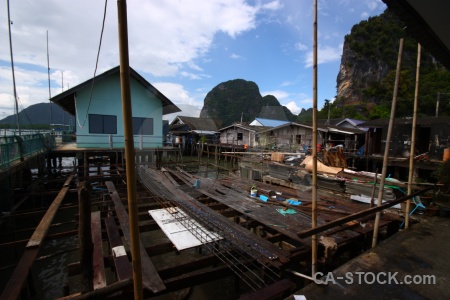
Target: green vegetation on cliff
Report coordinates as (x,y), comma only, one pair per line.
(371,52)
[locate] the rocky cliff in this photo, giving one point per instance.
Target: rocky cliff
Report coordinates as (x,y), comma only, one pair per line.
(238,99)
(367,72)
(369,54)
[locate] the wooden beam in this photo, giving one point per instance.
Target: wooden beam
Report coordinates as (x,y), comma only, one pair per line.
(40,232)
(123,266)
(151,279)
(15,284)
(98,265)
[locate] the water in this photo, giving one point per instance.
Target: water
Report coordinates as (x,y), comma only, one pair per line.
(50,274)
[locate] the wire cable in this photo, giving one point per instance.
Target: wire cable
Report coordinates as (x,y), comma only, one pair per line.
(96,65)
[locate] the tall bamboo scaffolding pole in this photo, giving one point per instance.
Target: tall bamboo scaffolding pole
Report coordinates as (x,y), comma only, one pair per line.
(16,105)
(49,89)
(314,149)
(388,142)
(413,136)
(129,149)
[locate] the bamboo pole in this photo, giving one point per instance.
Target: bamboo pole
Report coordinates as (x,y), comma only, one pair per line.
(388,142)
(413,137)
(129,148)
(12,69)
(314,148)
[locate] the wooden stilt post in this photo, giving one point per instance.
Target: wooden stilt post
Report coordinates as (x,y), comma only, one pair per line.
(85,166)
(388,142)
(85,237)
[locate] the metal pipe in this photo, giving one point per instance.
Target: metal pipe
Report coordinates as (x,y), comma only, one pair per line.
(129,149)
(388,142)
(413,136)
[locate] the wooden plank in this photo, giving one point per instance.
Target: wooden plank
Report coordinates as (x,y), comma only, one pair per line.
(40,232)
(150,277)
(16,282)
(123,266)
(98,265)
(170,178)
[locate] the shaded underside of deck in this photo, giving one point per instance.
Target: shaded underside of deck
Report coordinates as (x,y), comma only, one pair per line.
(419,253)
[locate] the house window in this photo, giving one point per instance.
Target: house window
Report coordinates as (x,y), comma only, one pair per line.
(239,136)
(298,139)
(102,124)
(143,126)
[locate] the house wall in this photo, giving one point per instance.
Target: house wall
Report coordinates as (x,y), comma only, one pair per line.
(433,139)
(106,100)
(287,137)
(230,136)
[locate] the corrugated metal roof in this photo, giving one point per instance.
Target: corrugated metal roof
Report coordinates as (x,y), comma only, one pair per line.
(270,122)
(247,127)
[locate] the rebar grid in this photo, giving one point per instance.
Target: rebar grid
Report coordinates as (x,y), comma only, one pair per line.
(241,260)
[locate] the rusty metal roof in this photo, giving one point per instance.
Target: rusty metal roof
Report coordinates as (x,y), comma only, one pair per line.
(194,123)
(424,121)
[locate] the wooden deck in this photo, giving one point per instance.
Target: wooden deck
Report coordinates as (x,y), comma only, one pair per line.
(259,237)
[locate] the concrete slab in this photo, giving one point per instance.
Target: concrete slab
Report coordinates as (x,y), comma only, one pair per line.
(413,264)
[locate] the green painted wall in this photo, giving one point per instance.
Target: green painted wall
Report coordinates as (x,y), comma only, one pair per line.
(106,100)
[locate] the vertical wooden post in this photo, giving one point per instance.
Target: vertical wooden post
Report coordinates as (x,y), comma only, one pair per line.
(388,142)
(85,166)
(372,198)
(85,237)
(413,137)
(314,148)
(129,149)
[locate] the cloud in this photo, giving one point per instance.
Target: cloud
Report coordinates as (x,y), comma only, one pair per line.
(274,5)
(325,54)
(279,94)
(176,93)
(235,56)
(301,47)
(190,75)
(163,37)
(186,110)
(293,107)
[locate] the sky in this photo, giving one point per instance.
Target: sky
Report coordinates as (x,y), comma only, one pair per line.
(182,47)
